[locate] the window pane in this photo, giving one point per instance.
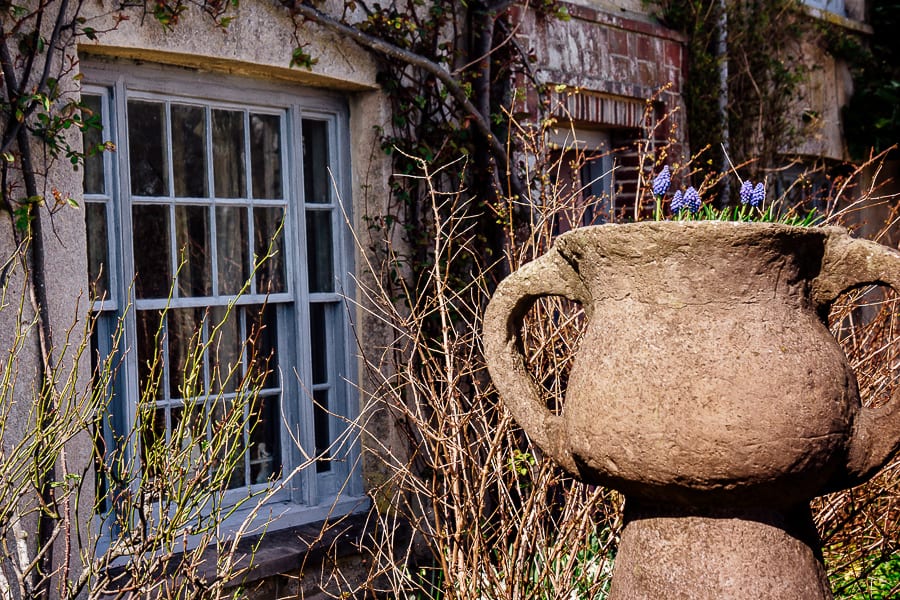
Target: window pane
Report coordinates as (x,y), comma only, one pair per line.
(189,151)
(262,339)
(187,438)
(149,353)
(98,261)
(319,248)
(323,430)
(228,154)
(232,245)
(185,362)
(265,155)
(265,443)
(153,441)
(267,224)
(317,180)
(147,148)
(92,137)
(152,263)
(231,453)
(225,349)
(319,343)
(192,240)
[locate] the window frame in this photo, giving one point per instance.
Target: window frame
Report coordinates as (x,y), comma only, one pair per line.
(309,495)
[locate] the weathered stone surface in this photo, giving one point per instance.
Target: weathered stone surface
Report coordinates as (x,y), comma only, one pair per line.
(708,389)
(735,555)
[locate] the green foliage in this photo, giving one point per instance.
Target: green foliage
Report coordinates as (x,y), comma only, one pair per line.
(748,214)
(875,578)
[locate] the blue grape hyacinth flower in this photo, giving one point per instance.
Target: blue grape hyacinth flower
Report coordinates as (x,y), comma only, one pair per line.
(692,200)
(746,192)
(661,182)
(758,196)
(677,201)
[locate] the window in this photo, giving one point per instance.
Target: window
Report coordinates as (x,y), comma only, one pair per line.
(585,177)
(209,177)
(835,6)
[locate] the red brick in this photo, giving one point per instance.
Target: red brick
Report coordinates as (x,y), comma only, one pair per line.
(648,74)
(673,54)
(645,48)
(618,42)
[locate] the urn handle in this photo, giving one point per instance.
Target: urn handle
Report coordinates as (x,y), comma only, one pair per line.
(851,263)
(549,275)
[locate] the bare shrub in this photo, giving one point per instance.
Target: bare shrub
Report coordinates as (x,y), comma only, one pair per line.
(486,515)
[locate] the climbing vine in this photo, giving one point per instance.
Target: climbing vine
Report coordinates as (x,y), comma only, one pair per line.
(447,70)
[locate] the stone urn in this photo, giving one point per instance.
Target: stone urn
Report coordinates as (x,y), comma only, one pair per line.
(708,389)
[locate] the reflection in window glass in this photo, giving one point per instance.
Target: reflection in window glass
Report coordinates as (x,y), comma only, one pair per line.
(319,249)
(194,257)
(316,177)
(226,343)
(150,335)
(262,340)
(231,455)
(265,447)
(98,260)
(187,434)
(228,154)
(153,440)
(189,151)
(233,254)
(185,366)
(147,148)
(265,155)
(321,420)
(152,262)
(92,137)
(268,228)
(318,342)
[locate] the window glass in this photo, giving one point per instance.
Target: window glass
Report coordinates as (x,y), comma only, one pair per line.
(193,244)
(262,342)
(228,154)
(323,430)
(152,258)
(268,226)
(316,176)
(185,366)
(319,248)
(147,148)
(150,338)
(226,343)
(233,256)
(98,259)
(189,151)
(265,155)
(233,455)
(265,445)
(318,329)
(93,140)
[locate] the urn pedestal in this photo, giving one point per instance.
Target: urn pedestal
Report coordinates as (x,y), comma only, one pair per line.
(708,389)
